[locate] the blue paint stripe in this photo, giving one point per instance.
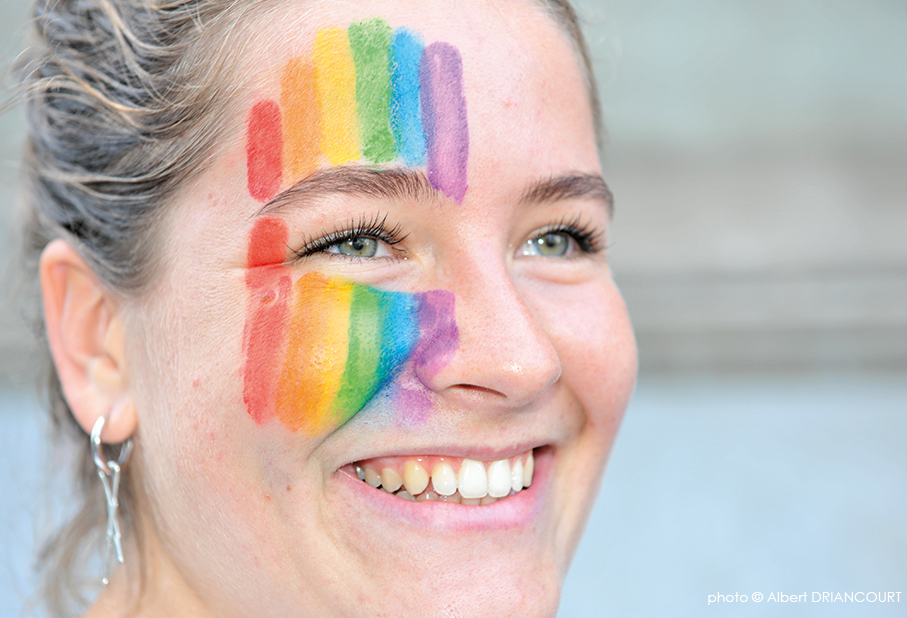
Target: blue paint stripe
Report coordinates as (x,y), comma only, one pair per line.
(400,330)
(405,113)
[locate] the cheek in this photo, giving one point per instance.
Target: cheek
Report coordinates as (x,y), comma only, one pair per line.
(248,486)
(186,354)
(594,338)
(193,439)
(612,364)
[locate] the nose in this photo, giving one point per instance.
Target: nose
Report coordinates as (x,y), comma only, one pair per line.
(504,354)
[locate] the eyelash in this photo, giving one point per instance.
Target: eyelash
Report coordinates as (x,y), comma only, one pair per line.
(589,239)
(374,227)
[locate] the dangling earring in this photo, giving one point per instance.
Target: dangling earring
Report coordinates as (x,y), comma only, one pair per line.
(109,472)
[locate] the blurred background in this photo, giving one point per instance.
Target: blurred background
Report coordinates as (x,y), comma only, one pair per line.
(758,154)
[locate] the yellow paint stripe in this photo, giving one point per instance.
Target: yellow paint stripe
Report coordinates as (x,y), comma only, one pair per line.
(335,87)
(316,352)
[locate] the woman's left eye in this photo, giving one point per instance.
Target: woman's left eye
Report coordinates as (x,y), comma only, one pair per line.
(360,247)
(550,244)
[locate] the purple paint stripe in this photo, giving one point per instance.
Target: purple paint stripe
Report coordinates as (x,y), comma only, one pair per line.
(444,118)
(439,337)
(413,399)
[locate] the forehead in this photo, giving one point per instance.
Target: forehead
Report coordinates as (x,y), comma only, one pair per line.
(524,90)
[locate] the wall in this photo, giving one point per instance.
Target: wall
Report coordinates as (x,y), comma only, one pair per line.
(757,153)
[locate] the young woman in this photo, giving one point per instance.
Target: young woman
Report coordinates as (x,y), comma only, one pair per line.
(335,272)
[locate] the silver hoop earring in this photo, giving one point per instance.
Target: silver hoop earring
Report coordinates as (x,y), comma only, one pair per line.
(109,473)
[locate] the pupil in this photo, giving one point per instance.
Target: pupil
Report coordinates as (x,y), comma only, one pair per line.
(553,243)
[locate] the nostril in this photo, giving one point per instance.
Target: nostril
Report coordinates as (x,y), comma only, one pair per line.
(479,390)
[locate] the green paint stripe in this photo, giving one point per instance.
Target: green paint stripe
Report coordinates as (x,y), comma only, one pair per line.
(360,378)
(370,42)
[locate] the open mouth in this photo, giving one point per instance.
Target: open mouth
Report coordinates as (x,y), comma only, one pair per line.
(448,479)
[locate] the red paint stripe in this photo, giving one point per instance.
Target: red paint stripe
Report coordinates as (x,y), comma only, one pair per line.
(264,150)
(268,242)
(267,318)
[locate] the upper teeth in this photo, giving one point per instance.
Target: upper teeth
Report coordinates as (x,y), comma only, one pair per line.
(499,479)
(475,482)
(444,479)
(472,480)
(415,478)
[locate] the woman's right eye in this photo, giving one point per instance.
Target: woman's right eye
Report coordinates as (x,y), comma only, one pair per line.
(360,247)
(368,239)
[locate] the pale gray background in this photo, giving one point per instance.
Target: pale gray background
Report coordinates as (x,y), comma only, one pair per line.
(757,150)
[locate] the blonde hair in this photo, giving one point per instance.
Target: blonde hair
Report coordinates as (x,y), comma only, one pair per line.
(125,101)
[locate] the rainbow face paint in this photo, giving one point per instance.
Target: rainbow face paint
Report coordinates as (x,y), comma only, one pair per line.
(335,88)
(444,118)
(268,283)
(317,351)
(406,108)
(370,42)
(264,146)
(367,93)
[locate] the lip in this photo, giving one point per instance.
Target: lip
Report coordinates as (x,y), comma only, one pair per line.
(520,510)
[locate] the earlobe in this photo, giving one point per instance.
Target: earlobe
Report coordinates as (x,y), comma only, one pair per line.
(84,330)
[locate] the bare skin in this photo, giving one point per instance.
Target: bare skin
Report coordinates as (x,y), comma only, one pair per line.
(245,519)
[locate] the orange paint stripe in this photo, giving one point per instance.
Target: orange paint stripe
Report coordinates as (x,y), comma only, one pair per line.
(316,352)
(301,124)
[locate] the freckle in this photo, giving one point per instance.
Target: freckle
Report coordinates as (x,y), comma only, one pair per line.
(289,489)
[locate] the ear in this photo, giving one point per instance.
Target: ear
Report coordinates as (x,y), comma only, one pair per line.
(84,330)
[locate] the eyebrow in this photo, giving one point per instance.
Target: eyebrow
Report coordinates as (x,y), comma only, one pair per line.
(357,181)
(412,184)
(570,186)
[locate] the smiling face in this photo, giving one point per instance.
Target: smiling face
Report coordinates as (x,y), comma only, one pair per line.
(413,299)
